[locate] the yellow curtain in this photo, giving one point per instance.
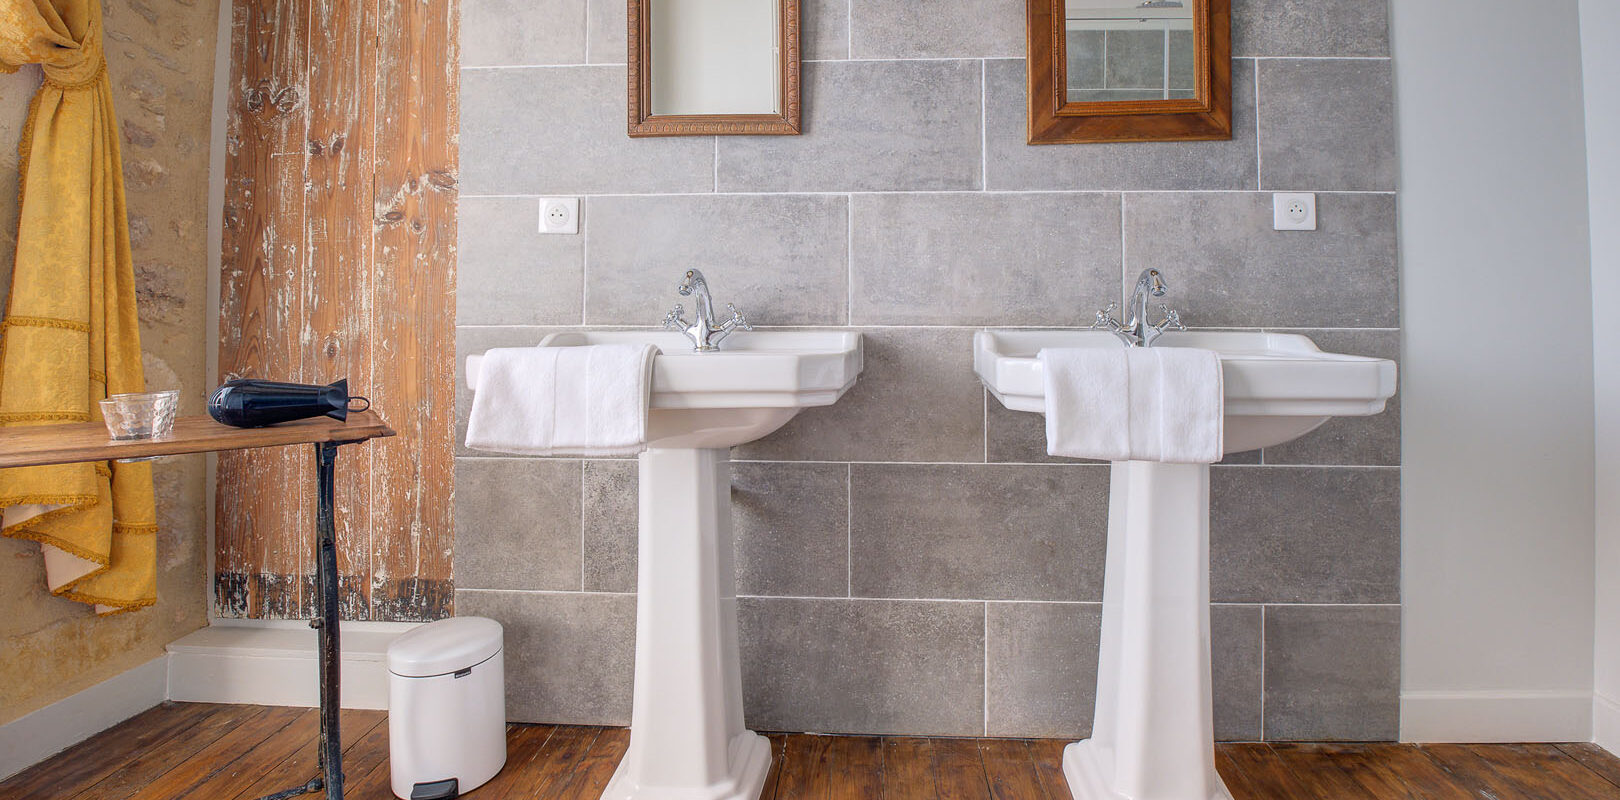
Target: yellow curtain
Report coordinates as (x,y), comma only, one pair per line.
(70,336)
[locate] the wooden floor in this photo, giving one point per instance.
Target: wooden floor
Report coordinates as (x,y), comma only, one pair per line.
(221,752)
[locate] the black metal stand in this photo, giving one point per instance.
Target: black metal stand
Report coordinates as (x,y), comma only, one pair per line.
(326,627)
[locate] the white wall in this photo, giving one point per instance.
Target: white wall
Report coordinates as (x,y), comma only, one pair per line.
(1497,397)
(1600,30)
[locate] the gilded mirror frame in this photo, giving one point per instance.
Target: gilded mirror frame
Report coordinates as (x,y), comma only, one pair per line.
(1053,119)
(642,122)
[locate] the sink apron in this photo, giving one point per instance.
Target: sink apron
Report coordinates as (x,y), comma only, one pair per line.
(687,740)
(1153,734)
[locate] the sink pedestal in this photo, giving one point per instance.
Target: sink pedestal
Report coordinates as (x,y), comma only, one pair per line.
(687,740)
(1153,735)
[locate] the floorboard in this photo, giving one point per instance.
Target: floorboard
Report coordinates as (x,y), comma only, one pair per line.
(226,752)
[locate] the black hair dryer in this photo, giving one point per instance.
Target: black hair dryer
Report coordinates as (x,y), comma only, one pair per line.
(252,403)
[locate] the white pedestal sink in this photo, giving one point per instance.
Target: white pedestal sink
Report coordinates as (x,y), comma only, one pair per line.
(1153,732)
(687,739)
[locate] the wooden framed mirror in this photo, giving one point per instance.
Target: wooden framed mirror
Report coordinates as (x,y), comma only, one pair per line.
(708,67)
(1129,70)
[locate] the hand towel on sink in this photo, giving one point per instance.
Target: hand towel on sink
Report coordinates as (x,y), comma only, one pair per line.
(548,401)
(1134,403)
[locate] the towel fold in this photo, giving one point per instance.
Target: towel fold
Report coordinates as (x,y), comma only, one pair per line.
(1134,404)
(551,401)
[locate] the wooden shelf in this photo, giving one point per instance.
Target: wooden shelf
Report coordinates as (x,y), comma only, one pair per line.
(87,441)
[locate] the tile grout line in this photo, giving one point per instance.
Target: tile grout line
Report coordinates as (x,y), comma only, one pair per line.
(582,467)
(1262,673)
(1072,464)
(984,685)
(584,257)
(984,127)
(590,64)
(849,259)
(1259,167)
(1195,329)
(849,530)
(855,192)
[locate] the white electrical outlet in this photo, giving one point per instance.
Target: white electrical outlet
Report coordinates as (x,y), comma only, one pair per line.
(1294,211)
(559,215)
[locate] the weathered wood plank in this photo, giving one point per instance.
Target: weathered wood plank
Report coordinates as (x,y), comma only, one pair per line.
(857,768)
(262,567)
(1321,769)
(1047,754)
(908,769)
(1010,770)
(354,725)
(1594,758)
(218,763)
(806,768)
(337,254)
(413,324)
(92,760)
(1260,770)
(959,771)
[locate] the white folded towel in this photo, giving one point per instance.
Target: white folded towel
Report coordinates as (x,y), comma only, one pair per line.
(1134,404)
(547,401)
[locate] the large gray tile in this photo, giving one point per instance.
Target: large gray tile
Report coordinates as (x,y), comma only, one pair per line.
(570,658)
(1013,164)
(978,531)
(909,29)
(561,130)
(916,400)
(507,273)
(522,32)
(1326,125)
(1305,535)
(782,259)
(863,666)
(1362,441)
(1333,673)
(1226,267)
(982,259)
(868,126)
(517,524)
(471,341)
(605,31)
(792,528)
(1310,27)
(1235,652)
(823,29)
(610,507)
(1042,662)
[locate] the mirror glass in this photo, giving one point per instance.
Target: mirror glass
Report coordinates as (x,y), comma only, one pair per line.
(1119,51)
(714,57)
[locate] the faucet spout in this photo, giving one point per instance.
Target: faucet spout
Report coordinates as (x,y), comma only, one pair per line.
(704,331)
(1136,331)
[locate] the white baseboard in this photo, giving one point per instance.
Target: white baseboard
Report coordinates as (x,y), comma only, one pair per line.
(274,663)
(1606,723)
(35,737)
(1496,716)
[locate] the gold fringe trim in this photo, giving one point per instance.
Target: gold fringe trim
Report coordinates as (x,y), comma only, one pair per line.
(63,545)
(119,606)
(45,322)
(134,528)
(44,416)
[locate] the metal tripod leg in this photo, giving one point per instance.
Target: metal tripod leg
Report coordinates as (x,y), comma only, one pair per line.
(326,627)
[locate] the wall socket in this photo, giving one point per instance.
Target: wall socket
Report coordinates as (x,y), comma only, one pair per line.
(1293,211)
(559,215)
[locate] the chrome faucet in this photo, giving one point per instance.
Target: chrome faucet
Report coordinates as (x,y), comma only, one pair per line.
(704,333)
(1135,331)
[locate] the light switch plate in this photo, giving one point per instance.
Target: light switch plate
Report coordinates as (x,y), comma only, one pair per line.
(559,215)
(1294,211)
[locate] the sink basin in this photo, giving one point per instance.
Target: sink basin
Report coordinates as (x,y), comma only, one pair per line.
(1279,386)
(749,388)
(688,740)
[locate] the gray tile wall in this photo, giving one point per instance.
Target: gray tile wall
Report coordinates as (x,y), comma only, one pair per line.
(910,560)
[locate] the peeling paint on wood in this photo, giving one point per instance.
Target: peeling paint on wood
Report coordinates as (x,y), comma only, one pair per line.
(339,261)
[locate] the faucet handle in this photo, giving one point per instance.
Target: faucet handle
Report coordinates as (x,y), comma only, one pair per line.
(1105,318)
(1172,318)
(738,319)
(673,318)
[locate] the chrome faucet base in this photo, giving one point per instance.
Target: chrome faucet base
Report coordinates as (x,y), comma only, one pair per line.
(1135,330)
(704,333)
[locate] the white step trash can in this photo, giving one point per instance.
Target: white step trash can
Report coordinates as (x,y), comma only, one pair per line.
(446,708)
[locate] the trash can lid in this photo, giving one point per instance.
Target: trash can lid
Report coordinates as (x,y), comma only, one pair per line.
(449,645)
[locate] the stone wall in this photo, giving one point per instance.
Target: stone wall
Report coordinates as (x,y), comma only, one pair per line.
(160,54)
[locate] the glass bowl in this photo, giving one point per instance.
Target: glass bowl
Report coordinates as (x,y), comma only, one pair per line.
(144,415)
